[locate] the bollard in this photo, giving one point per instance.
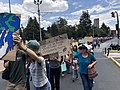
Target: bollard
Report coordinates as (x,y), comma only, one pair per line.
(105,50)
(108,51)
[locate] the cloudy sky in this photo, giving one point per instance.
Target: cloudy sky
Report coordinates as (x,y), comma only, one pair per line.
(71,10)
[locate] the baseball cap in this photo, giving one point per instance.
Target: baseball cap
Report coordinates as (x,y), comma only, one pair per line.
(82,46)
(33,45)
(89,47)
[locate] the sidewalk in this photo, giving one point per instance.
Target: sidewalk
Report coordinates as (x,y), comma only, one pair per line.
(115,57)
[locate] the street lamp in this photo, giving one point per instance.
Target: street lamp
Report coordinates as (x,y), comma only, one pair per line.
(38,2)
(117,25)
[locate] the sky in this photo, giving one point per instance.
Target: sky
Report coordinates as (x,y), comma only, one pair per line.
(71,10)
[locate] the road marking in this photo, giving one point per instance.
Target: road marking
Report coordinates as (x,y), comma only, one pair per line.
(117,63)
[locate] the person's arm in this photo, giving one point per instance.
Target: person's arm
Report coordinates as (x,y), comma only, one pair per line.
(93,61)
(92,64)
(31,53)
(57,58)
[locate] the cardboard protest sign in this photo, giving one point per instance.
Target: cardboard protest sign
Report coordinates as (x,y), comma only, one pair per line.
(50,56)
(75,43)
(59,44)
(88,39)
(9,23)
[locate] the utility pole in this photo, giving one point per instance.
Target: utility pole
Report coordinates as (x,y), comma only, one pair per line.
(38,2)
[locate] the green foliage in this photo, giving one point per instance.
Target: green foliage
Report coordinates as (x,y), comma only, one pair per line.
(104,31)
(32,31)
(84,28)
(53,30)
(59,27)
(77,31)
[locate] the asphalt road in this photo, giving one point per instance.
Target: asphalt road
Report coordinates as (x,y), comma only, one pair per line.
(108,78)
(3,84)
(109,74)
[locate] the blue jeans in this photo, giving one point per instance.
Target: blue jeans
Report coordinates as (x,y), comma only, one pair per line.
(47,86)
(68,68)
(87,83)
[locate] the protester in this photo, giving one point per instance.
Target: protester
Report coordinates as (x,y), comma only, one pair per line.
(37,67)
(28,75)
(74,49)
(47,61)
(68,63)
(83,57)
(74,69)
(55,70)
(74,64)
(98,44)
(90,49)
(17,77)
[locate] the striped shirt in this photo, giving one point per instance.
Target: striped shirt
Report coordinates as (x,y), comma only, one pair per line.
(38,73)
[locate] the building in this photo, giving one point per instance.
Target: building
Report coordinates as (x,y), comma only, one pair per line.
(96,22)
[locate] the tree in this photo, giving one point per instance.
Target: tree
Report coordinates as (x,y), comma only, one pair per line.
(84,27)
(105,30)
(58,27)
(97,32)
(71,31)
(76,31)
(61,22)
(61,25)
(53,30)
(32,30)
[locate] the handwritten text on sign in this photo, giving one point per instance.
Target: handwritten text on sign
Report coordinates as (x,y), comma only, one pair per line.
(58,44)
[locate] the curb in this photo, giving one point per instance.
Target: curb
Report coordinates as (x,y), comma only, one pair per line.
(112,58)
(117,63)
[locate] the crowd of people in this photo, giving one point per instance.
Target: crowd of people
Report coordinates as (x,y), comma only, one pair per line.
(45,73)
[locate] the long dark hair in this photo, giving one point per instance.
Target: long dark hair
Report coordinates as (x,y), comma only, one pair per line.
(74,48)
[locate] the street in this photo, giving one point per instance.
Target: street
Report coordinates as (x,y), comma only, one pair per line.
(108,78)
(43,42)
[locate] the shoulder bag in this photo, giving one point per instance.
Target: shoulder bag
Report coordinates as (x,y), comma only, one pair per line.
(92,73)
